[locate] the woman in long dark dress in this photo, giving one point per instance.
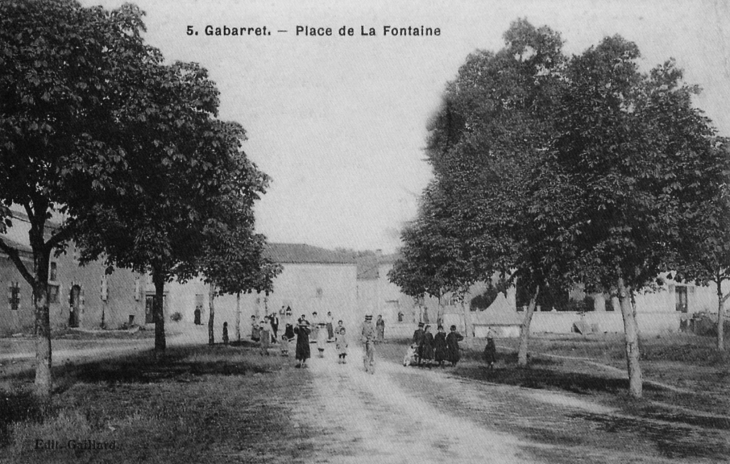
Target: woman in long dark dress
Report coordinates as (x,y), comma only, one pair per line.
(427,346)
(452,345)
(302,351)
(439,346)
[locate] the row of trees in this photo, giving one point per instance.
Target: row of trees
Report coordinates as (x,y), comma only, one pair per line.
(556,171)
(128,150)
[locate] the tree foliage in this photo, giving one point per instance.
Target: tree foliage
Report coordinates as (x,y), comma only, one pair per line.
(562,171)
(65,75)
(94,125)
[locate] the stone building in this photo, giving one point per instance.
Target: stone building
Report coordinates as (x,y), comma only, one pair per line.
(79,296)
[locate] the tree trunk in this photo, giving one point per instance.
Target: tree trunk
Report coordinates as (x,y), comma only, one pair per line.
(211,316)
(238,316)
(525,329)
(720,316)
(631,331)
(42,329)
(468,327)
(158,312)
(43,352)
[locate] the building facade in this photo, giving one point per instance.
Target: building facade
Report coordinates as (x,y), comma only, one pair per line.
(79,296)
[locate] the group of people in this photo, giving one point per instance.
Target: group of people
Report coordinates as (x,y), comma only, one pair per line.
(428,349)
(303,330)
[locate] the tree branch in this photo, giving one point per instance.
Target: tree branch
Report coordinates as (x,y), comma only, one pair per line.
(56,239)
(15,258)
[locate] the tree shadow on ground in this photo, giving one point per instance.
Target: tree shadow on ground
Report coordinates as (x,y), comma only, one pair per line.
(17,406)
(672,441)
(179,364)
(540,374)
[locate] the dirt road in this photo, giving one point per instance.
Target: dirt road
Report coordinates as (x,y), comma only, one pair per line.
(371,418)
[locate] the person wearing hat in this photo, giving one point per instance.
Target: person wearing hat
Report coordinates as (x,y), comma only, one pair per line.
(490,351)
(368,339)
(380,328)
(452,345)
(418,341)
(439,346)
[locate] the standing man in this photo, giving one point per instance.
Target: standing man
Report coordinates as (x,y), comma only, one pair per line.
(418,341)
(330,328)
(380,328)
(368,339)
(274,318)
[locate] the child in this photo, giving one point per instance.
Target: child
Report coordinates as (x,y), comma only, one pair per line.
(321,338)
(284,345)
(341,343)
(410,356)
(490,351)
(225,333)
(265,337)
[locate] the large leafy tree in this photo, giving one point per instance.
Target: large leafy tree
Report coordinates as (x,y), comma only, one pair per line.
(190,182)
(234,260)
(705,253)
(579,170)
(484,145)
(65,75)
(642,158)
(433,260)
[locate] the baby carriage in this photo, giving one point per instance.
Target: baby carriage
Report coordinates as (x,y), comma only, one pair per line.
(411,356)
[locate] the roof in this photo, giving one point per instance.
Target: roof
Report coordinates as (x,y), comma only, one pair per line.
(388,259)
(21,247)
(299,253)
(367,267)
(498,313)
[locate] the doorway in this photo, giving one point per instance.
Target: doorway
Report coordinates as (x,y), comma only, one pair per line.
(149,316)
(74,306)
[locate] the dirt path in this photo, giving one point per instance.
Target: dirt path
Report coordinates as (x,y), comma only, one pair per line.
(370,418)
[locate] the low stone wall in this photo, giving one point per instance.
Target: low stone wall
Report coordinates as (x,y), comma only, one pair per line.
(612,322)
(402,330)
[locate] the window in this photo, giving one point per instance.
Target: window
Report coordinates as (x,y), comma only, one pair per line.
(53,273)
(104,293)
(681,298)
(14,296)
(53,292)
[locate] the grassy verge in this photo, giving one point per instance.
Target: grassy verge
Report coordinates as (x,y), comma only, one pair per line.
(202,404)
(691,364)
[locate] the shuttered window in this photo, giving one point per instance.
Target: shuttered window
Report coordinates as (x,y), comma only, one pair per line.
(14,296)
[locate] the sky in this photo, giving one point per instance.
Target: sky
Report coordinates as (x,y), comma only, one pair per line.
(340,123)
